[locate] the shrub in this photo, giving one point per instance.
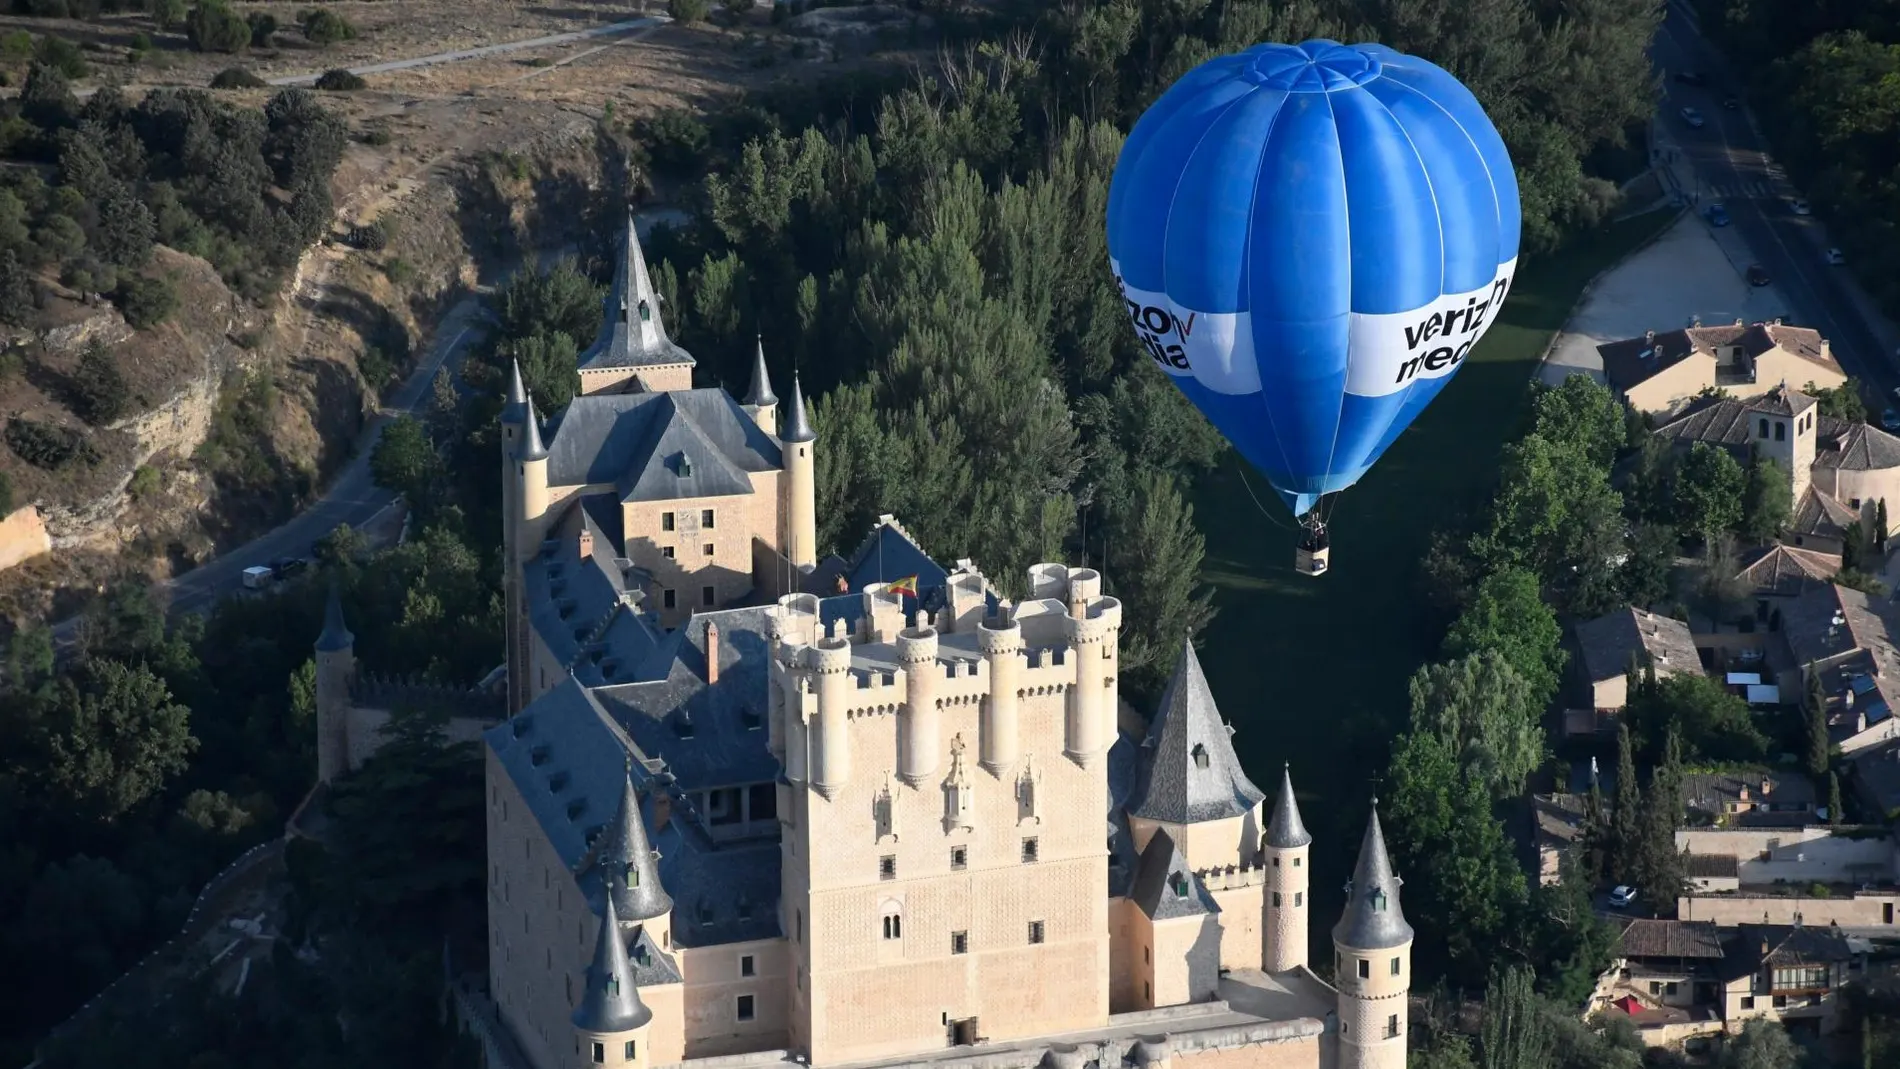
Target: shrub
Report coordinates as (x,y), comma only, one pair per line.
(375,135)
(237,78)
(168,14)
(144,482)
(675,139)
(141,43)
(324,27)
(146,300)
(399,271)
(687,12)
(45,445)
(61,55)
(263,24)
(16,46)
(6,494)
(18,294)
(213,27)
(371,238)
(340,81)
(100,393)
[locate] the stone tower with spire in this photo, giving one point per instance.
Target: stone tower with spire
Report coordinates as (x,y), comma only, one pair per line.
(1284,849)
(801,481)
(524,514)
(611,1021)
(760,403)
(1372,947)
(336,670)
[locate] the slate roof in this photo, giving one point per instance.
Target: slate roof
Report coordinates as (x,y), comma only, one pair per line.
(1782,401)
(1670,939)
(1818,514)
(1785,571)
(1286,831)
(797,426)
(1189,770)
(887,554)
(1165,886)
(1625,363)
(335,635)
(611,1002)
(1851,446)
(514,406)
(628,863)
(1715,420)
(628,338)
(587,611)
(761,394)
(1877,771)
(1373,919)
(532,447)
(633,441)
(1607,642)
(1123,768)
(1753,947)
(1792,797)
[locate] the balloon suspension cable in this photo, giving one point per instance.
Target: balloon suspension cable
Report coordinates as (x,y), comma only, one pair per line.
(1256,501)
(1313,533)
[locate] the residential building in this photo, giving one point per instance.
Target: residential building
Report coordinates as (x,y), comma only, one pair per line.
(1847,637)
(1813,873)
(1760,797)
(1659,373)
(1605,649)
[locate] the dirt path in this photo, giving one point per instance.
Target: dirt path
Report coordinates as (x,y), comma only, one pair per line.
(628,26)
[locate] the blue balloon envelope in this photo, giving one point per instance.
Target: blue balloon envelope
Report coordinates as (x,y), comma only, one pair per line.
(1310,239)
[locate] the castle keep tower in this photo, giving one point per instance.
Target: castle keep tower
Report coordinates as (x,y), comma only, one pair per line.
(336,670)
(801,482)
(1285,849)
(1372,947)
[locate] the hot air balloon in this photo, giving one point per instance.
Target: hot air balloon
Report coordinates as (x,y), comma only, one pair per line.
(1310,239)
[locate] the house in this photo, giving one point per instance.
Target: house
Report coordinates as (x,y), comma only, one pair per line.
(1659,373)
(1875,774)
(1790,874)
(1605,647)
(1847,637)
(1776,572)
(1749,798)
(1679,981)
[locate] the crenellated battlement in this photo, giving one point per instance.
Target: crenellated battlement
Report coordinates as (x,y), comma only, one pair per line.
(1231,877)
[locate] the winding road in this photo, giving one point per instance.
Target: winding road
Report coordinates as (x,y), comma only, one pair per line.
(614,29)
(1731,164)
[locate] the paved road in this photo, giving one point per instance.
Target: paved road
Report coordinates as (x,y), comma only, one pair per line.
(352,497)
(628,26)
(1731,164)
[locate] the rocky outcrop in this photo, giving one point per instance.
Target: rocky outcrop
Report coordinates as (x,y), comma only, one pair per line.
(22,537)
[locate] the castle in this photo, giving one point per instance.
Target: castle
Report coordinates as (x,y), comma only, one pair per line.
(748,807)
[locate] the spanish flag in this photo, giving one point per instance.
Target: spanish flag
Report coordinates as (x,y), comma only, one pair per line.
(906,585)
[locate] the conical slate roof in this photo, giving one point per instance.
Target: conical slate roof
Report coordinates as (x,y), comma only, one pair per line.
(515,408)
(1191,772)
(335,635)
(532,449)
(629,865)
(612,1000)
(1373,919)
(760,394)
(1287,830)
(634,334)
(797,426)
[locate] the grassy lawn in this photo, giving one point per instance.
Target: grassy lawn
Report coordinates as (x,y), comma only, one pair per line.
(1314,670)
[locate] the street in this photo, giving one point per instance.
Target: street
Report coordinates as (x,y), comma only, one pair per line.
(1731,165)
(353,497)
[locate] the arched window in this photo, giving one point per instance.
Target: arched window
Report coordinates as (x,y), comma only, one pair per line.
(646,313)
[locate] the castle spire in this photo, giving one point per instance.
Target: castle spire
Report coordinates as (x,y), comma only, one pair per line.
(533,450)
(761,393)
(335,635)
(629,863)
(645,330)
(612,1001)
(797,427)
(1191,772)
(515,408)
(1287,830)
(1373,919)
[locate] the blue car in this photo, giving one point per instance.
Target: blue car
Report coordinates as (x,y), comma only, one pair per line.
(1718,215)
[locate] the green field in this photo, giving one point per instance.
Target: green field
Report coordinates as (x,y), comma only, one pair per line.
(1313,670)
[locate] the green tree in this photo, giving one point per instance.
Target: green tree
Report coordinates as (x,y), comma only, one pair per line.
(1767,501)
(1820,747)
(213,27)
(1571,944)
(1647,573)
(1482,707)
(1760,1045)
(1554,511)
(18,295)
(1584,414)
(1880,525)
(1157,565)
(1626,815)
(168,15)
(1516,1033)
(1841,402)
(1508,615)
(323,27)
(1714,725)
(1708,488)
(687,12)
(100,392)
(1657,863)
(114,736)
(405,461)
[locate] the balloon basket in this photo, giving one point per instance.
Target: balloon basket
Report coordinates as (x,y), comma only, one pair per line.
(1311,561)
(1315,550)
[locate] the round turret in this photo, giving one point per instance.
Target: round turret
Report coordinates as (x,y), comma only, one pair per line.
(999,720)
(918,727)
(830,747)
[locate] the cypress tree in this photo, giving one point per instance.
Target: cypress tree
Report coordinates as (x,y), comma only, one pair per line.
(1834,799)
(1818,747)
(1880,525)
(1625,818)
(1593,836)
(1659,865)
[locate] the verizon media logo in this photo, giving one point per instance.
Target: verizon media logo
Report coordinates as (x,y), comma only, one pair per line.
(1390,352)
(1213,348)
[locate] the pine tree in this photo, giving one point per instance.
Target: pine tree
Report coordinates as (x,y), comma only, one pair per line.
(1850,549)
(1818,747)
(1880,525)
(16,289)
(1834,798)
(1593,835)
(1625,818)
(1659,865)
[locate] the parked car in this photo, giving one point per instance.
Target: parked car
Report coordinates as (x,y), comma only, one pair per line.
(1692,78)
(257,578)
(1836,257)
(1890,420)
(285,567)
(1800,207)
(1757,275)
(1623,897)
(1692,117)
(1718,214)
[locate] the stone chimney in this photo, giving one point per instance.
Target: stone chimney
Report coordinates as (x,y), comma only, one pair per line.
(1767,786)
(712,653)
(586,543)
(1649,337)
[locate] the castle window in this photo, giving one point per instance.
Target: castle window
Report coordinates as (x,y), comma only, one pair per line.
(1029,851)
(1299,898)
(629,1051)
(666,521)
(746,968)
(1761,428)
(1296,862)
(666,598)
(745,1007)
(1365,969)
(887,867)
(1200,756)
(667,552)
(600,1053)
(632,876)
(1377,898)
(1035,931)
(1148,994)
(798,929)
(706,518)
(1395,967)
(1392,1026)
(707,595)
(1276,862)
(1276,900)
(708,549)
(764,802)
(959,857)
(893,926)
(959,942)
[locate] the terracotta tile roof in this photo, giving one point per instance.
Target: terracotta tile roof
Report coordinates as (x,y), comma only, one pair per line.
(1715,420)
(1787,570)
(1847,446)
(1792,798)
(1625,363)
(1608,641)
(1670,939)
(1820,515)
(1782,401)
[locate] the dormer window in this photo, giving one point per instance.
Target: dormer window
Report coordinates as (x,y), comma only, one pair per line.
(1200,756)
(646,312)
(1179,883)
(640,955)
(705,912)
(686,466)
(1377,898)
(632,877)
(613,987)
